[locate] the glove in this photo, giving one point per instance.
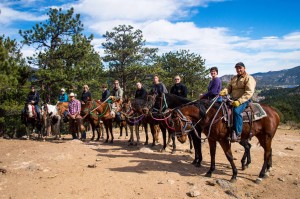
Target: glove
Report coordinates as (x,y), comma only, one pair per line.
(113,98)
(223,93)
(236,103)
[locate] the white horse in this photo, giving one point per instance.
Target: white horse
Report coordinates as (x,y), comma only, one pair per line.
(51,120)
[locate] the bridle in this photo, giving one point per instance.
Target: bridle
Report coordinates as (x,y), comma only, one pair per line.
(184,122)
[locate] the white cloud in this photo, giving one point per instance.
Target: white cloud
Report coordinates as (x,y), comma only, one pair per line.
(8,15)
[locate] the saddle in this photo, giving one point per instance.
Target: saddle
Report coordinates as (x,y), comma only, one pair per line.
(252,112)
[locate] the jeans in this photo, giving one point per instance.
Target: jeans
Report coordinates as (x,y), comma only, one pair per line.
(238,119)
(38,113)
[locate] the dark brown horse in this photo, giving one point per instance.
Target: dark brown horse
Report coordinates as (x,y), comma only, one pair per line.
(103,111)
(206,116)
(160,113)
(92,118)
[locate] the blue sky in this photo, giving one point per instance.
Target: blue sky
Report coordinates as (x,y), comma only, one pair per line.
(264,34)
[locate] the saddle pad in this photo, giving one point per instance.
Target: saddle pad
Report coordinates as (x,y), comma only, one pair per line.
(31,110)
(259,113)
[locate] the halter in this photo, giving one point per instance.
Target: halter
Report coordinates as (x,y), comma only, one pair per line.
(183,119)
(133,120)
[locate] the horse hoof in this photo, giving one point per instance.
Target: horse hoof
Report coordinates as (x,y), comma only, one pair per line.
(130,144)
(197,164)
(208,174)
(162,150)
(92,138)
(173,152)
(111,142)
(258,180)
(119,137)
(146,143)
(267,174)
(232,180)
(106,141)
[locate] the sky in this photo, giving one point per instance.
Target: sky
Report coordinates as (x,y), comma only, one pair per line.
(263,34)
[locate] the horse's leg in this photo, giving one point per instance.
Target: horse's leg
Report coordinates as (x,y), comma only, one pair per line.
(131,139)
(111,133)
(164,134)
(191,142)
(106,124)
(227,150)
(153,133)
(212,150)
(146,132)
(137,134)
(269,166)
(172,133)
(265,142)
(197,148)
(246,155)
(126,129)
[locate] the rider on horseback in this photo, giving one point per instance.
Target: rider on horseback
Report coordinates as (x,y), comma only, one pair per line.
(63,97)
(158,87)
(178,88)
(117,94)
(33,98)
(140,92)
(241,87)
(215,85)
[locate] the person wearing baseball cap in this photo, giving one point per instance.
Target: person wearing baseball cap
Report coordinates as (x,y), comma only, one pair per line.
(63,96)
(241,88)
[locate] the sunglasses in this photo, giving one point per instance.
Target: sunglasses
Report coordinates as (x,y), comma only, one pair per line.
(176,79)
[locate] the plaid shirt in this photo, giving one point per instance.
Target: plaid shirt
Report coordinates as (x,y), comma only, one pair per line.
(74,107)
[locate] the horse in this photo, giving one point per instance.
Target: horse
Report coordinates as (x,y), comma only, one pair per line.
(160,114)
(30,120)
(207,115)
(92,118)
(103,111)
(51,120)
(132,111)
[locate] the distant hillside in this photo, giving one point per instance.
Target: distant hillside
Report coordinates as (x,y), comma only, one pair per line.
(271,79)
(286,101)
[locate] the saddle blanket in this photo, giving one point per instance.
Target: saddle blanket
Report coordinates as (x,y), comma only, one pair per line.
(258,113)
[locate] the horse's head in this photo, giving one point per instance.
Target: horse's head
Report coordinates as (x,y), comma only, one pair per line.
(62,107)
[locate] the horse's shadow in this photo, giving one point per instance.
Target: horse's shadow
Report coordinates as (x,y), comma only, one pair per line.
(156,161)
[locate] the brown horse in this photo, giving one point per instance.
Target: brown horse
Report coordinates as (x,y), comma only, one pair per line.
(92,118)
(206,115)
(103,111)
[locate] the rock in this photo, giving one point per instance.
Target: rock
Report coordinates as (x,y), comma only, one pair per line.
(146,150)
(98,159)
(295,183)
(210,183)
(194,193)
(224,184)
(3,170)
(92,166)
(281,179)
(247,194)
(231,193)
(171,181)
(160,182)
(289,148)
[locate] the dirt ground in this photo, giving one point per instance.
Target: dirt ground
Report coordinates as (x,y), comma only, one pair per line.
(75,169)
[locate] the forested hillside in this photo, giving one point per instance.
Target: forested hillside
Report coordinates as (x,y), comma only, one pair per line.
(286,101)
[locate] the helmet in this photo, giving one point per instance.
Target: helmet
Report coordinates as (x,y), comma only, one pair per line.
(62,90)
(72,95)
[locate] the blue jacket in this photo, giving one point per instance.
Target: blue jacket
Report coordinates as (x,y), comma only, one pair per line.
(63,97)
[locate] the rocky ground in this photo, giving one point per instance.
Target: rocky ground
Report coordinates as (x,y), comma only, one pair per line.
(74,169)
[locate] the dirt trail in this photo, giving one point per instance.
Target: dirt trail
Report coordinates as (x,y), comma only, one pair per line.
(75,169)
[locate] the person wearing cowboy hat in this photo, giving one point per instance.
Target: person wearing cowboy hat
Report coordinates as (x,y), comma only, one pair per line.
(241,88)
(74,115)
(63,96)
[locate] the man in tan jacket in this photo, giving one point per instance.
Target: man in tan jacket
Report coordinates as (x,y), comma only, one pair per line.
(241,88)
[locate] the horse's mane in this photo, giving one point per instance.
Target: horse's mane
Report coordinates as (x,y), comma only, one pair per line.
(181,99)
